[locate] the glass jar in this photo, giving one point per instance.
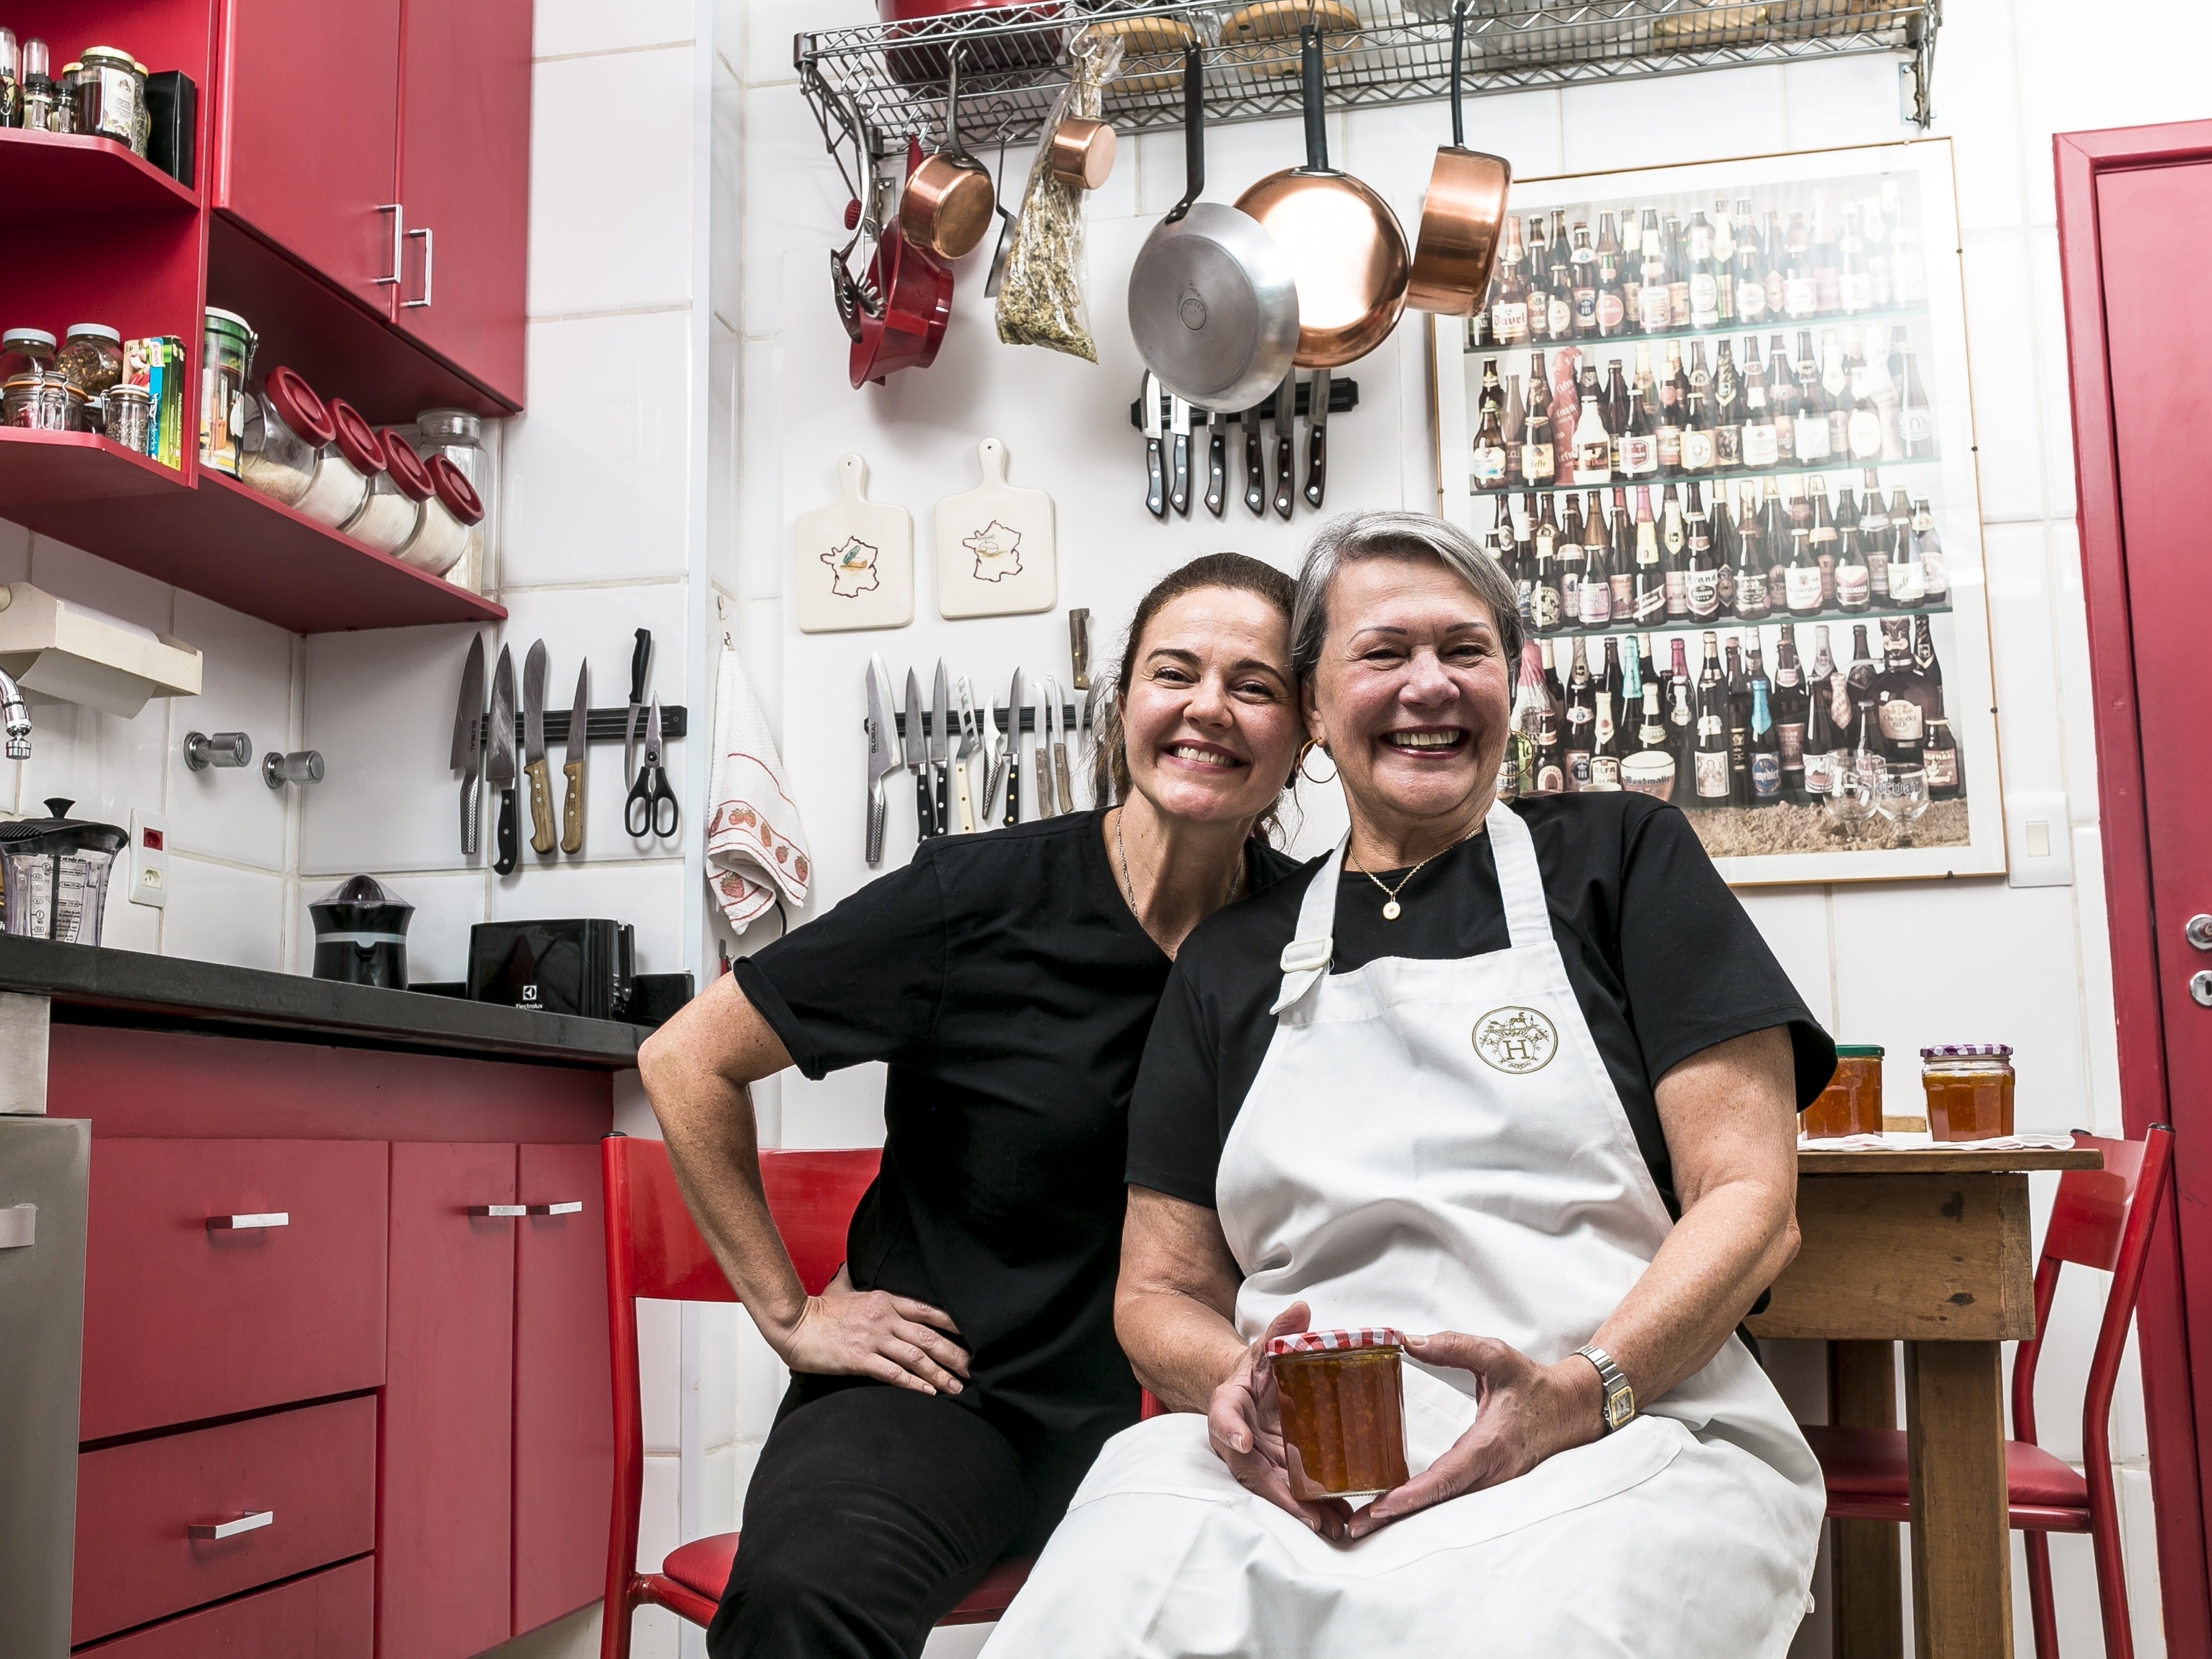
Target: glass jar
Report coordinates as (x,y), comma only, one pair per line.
(143,131)
(1342,1401)
(11,80)
(459,436)
(285,427)
(63,117)
(40,98)
(1969,1087)
(91,355)
(131,418)
(450,536)
(26,351)
(111,91)
(343,468)
(226,360)
(42,403)
(391,511)
(1852,1104)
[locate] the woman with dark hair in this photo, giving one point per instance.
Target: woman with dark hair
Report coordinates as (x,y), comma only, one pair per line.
(952,1386)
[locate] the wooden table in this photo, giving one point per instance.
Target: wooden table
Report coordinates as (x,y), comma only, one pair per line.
(1929,1249)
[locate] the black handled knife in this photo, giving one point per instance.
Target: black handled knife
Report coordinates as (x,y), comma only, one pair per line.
(1287,418)
(1156,483)
(1216,461)
(1317,441)
(1179,484)
(499,761)
(1256,465)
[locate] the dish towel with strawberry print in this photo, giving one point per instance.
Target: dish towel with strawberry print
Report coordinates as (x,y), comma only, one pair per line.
(755,846)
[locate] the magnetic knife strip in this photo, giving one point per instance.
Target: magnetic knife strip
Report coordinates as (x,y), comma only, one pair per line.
(602,725)
(1343,396)
(996,716)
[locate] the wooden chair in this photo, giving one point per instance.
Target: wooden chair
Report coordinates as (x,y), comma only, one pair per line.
(2102,1219)
(655,1253)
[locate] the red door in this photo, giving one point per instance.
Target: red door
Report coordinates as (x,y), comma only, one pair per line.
(2136,226)
(564,1406)
(444,1515)
(310,134)
(464,177)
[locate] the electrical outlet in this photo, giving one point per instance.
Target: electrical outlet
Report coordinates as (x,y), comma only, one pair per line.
(149,859)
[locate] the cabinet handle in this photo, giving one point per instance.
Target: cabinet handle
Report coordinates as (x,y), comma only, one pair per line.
(498,1211)
(567,1207)
(429,258)
(393,208)
(19,1227)
(226,1224)
(231,1528)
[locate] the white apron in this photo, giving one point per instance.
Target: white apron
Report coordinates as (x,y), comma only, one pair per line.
(1437,1145)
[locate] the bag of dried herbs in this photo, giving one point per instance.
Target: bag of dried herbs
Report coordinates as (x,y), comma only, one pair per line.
(1040,302)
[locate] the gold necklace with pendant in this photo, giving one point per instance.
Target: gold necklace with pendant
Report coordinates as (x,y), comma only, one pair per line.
(1391,908)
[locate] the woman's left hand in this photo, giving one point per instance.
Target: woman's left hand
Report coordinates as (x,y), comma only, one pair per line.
(1527,1412)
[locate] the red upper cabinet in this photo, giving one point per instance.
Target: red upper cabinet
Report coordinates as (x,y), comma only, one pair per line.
(465,183)
(310,145)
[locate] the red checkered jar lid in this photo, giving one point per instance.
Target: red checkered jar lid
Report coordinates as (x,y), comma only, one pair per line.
(1367,1336)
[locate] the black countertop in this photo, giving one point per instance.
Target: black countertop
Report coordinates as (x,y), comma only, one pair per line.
(92,985)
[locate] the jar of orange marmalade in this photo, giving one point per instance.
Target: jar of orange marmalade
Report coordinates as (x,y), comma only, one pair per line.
(1340,1397)
(1969,1087)
(1852,1104)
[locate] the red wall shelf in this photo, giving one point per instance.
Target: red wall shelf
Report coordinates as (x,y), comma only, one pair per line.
(63,176)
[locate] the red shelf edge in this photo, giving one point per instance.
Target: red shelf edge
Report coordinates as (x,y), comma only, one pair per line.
(187,200)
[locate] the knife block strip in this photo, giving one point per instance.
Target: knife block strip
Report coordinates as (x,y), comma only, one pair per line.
(1343,397)
(601,725)
(998,717)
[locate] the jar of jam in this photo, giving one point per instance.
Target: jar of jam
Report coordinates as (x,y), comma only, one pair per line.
(1969,1088)
(1852,1104)
(111,90)
(1340,1397)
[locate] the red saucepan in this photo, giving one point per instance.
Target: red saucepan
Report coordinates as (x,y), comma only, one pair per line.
(1466,205)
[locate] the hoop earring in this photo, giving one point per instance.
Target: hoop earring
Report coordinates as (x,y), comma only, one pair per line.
(1301,768)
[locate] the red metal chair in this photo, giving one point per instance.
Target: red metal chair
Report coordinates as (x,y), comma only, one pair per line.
(654,1252)
(2102,1218)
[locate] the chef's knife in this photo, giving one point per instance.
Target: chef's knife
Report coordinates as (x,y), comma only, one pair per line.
(469,746)
(1155,490)
(969,741)
(542,840)
(1179,482)
(883,753)
(1286,420)
(1317,441)
(1255,463)
(941,749)
(917,751)
(1216,461)
(641,659)
(499,764)
(572,765)
(1022,703)
(1043,726)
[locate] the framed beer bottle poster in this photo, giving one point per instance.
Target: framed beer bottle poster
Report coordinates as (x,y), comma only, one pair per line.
(1715,421)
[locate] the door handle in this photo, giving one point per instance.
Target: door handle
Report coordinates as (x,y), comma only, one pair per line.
(2200,987)
(393,208)
(430,257)
(232,1528)
(226,1224)
(498,1211)
(567,1207)
(19,1227)
(2199,932)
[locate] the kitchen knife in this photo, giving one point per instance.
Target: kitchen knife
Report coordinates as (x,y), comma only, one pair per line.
(1066,788)
(542,840)
(1156,490)
(1256,465)
(1046,808)
(1001,753)
(917,750)
(1022,703)
(499,764)
(1286,423)
(1078,646)
(883,753)
(1216,461)
(969,743)
(1317,439)
(572,765)
(940,751)
(641,659)
(1179,481)
(469,746)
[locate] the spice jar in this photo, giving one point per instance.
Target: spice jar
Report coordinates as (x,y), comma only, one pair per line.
(1969,1088)
(226,359)
(131,418)
(343,468)
(91,355)
(284,426)
(450,534)
(111,92)
(63,117)
(1852,1104)
(393,511)
(26,351)
(42,403)
(1341,1401)
(38,112)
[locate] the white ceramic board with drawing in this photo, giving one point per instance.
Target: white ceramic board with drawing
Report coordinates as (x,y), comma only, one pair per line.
(853,561)
(994,545)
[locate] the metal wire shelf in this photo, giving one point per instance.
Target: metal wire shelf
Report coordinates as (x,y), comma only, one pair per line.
(887,80)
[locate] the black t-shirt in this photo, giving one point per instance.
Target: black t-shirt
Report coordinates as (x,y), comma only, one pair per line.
(1005,981)
(1662,959)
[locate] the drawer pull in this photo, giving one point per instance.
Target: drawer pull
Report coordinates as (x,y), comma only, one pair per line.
(232,1529)
(239,1223)
(19,1226)
(567,1207)
(498,1211)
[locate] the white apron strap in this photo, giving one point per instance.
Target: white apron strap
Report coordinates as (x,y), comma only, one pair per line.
(1520,883)
(1305,959)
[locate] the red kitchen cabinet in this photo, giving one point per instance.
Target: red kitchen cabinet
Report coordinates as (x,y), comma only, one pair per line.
(563,1412)
(330,1614)
(446,1509)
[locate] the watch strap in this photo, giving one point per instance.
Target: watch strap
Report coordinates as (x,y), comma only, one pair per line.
(1618,1405)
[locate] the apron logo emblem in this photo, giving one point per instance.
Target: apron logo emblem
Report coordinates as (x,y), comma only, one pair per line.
(1515,1039)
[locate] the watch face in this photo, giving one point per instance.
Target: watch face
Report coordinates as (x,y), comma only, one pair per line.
(1620,1408)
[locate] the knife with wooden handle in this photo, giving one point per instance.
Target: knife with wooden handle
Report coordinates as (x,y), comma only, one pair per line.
(572,767)
(542,839)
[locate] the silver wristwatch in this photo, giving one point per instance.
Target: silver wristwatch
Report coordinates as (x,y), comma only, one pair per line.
(1620,1399)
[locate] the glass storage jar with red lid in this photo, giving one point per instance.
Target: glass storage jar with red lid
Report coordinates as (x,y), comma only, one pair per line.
(1969,1086)
(285,427)
(452,521)
(353,457)
(1340,1398)
(1852,1104)
(393,511)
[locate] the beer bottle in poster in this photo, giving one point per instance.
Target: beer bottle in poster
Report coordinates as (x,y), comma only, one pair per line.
(1551,772)
(1705,277)
(1904,700)
(1675,540)
(1916,422)
(1540,281)
(1765,751)
(1812,423)
(1854,282)
(1647,668)
(1488,471)
(1651,726)
(1639,441)
(1774,253)
(1623,559)
(1568,549)
(1791,707)
(1593,443)
(1865,423)
(1579,738)
(1759,447)
(1924,659)
(1859,675)
(1678,274)
(1654,315)
(1612,302)
(1491,398)
(1800,583)
(1593,606)
(1875,537)
(1800,293)
(1906,587)
(1536,429)
(1821,738)
(1677,674)
(1782,397)
(1946,779)
(1563,289)
(1673,388)
(1709,760)
(1551,674)
(1728,410)
(1724,548)
(1582,281)
(1821,527)
(1616,415)
(1615,697)
(1524,565)
(1650,583)
(1774,528)
(1753,602)
(1748,275)
(1512,424)
(1854,582)
(1517,772)
(1826,280)
(1835,387)
(1701,576)
(1723,260)
(1607,752)
(1698,445)
(1544,584)
(1509,306)
(1934,580)
(1739,727)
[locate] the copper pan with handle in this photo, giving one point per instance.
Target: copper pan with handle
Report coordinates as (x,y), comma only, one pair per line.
(1459,219)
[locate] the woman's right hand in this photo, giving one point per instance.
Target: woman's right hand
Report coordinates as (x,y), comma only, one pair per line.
(893,1338)
(1245,1428)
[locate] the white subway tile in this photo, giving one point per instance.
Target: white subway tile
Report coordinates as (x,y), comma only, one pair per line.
(659,1372)
(2093,941)
(720,1344)
(246,685)
(69,573)
(2008,419)
(718,1490)
(726,203)
(771,24)
(724,374)
(762,542)
(793,198)
(2028,694)
(2076,684)
(651,896)
(660,1516)
(2054,369)
(762,1379)
(2073,1595)
(126,925)
(1793,922)
(2130,1433)
(1978,105)
(845,1109)
(219,913)
(1833,102)
(1639,123)
(564,27)
(105,764)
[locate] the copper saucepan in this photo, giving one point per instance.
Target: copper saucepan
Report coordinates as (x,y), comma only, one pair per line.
(1459,219)
(1081,152)
(1342,239)
(947,205)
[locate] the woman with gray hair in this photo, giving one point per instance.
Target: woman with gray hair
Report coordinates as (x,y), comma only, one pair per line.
(1512,1088)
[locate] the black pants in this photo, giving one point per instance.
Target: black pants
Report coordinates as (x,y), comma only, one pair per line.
(872,1510)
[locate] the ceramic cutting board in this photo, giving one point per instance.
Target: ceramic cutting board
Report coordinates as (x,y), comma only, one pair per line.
(853,563)
(994,546)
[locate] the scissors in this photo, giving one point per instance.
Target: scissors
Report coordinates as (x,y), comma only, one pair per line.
(641,813)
